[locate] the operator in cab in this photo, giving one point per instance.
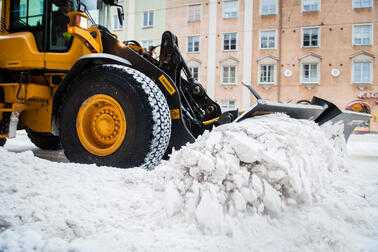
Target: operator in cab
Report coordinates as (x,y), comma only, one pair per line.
(60,21)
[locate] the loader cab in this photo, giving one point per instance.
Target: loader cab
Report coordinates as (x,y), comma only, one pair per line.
(46,20)
(33,34)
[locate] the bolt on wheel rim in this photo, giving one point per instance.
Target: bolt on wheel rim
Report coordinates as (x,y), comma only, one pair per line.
(101,125)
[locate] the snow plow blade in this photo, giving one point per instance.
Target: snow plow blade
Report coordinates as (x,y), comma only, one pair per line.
(320,111)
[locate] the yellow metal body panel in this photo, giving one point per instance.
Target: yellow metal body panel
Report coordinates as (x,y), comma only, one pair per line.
(19,51)
(34,102)
(27,92)
(65,60)
(38,119)
(4,23)
(85,36)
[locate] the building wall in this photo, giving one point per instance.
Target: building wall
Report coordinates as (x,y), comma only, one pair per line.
(122,32)
(210,66)
(335,19)
(150,33)
(176,22)
(229,25)
(133,28)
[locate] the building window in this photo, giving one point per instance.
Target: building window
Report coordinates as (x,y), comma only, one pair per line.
(148,18)
(310,37)
(362,72)
(268,7)
(310,73)
(267,74)
(229,41)
(310,5)
(194,12)
(230,9)
(229,75)
(146,44)
(227,105)
(358,4)
(268,39)
(362,35)
(195,72)
(116,24)
(193,44)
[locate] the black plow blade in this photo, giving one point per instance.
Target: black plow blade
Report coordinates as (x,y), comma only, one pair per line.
(319,111)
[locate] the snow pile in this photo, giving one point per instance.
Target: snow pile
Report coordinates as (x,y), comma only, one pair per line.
(49,206)
(256,167)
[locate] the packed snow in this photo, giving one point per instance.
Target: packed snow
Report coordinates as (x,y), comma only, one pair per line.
(268,183)
(250,168)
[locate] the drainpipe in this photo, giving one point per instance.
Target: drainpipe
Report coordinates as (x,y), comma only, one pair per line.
(212,49)
(279,53)
(247,47)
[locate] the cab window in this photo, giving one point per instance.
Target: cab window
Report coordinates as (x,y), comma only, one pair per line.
(27,15)
(59,39)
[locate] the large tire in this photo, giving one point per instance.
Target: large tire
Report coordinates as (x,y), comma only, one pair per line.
(4,122)
(44,141)
(138,134)
(3,141)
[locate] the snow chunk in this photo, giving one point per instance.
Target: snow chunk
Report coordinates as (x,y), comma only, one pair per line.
(248,150)
(259,166)
(173,199)
(209,213)
(271,198)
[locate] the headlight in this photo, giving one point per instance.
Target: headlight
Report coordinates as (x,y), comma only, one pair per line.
(81,21)
(78,19)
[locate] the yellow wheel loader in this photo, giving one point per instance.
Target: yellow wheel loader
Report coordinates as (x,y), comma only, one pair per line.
(73,85)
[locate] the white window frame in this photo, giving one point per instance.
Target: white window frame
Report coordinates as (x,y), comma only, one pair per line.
(319,36)
(148,18)
(308,11)
(236,45)
(259,74)
(198,72)
(199,44)
(371,34)
(275,39)
(236,75)
(263,14)
(147,41)
(371,69)
(226,107)
(188,11)
(223,9)
(317,72)
(120,26)
(354,6)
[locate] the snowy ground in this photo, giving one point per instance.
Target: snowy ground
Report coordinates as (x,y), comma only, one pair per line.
(59,206)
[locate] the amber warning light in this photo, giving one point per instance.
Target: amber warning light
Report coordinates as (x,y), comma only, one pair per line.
(71,29)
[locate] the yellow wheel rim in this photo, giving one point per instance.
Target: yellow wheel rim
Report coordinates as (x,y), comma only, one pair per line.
(101,125)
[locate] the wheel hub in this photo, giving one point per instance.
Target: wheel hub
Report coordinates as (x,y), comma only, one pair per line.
(101,125)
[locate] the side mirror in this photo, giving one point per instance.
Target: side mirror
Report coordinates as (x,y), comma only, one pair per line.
(111,2)
(121,14)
